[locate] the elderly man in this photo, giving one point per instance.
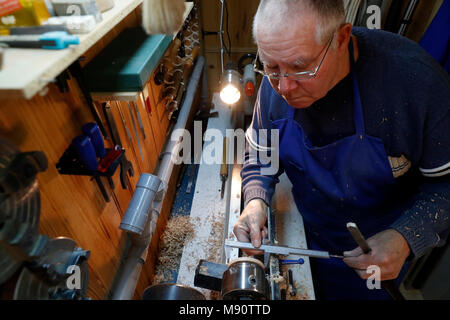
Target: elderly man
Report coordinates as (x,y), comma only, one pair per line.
(363,118)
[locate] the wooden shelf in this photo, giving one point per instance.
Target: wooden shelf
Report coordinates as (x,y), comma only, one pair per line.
(25,72)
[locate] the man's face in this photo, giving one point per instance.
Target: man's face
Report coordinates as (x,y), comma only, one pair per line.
(293,48)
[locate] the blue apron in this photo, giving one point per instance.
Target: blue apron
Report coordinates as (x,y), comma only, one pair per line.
(346,181)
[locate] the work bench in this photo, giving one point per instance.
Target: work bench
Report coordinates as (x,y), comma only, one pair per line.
(215,216)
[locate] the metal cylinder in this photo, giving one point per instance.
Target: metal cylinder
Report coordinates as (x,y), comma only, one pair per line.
(249,74)
(171,291)
(136,216)
(245,279)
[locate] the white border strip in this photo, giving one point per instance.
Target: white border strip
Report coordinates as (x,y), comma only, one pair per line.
(436,172)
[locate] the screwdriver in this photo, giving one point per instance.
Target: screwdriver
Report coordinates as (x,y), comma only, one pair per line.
(388,285)
(224,167)
(86,154)
(92,130)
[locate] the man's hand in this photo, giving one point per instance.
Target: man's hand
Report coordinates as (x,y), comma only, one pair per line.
(389,252)
(251,224)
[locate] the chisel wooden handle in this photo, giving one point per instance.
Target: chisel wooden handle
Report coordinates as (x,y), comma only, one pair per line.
(224,166)
(388,285)
(358,237)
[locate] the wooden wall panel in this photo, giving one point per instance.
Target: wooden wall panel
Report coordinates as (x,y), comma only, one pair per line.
(152,117)
(159,104)
(72,206)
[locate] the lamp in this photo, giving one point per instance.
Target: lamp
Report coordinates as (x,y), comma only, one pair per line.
(230,92)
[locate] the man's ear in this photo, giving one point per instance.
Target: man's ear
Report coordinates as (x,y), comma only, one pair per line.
(344,34)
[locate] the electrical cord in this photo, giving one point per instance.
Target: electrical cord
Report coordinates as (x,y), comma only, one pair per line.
(228,30)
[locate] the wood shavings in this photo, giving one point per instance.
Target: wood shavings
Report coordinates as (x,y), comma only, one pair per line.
(215,240)
(179,230)
(277,278)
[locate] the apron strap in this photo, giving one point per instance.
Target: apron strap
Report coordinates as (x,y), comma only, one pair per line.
(357,105)
(290,112)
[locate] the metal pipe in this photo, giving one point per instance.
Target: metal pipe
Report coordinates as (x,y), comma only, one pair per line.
(137,254)
(136,216)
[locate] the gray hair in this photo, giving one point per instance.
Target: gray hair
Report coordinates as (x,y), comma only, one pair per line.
(330,13)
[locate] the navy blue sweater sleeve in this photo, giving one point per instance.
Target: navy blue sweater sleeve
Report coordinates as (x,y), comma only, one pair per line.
(426,224)
(260,177)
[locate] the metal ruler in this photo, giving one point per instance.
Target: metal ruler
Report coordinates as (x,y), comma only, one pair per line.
(283,250)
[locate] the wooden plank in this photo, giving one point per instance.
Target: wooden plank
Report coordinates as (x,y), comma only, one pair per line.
(154,123)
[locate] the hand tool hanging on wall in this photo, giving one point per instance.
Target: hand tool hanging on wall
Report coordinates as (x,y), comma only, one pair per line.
(388,285)
(125,165)
(125,124)
(93,132)
(77,72)
(86,154)
(135,131)
(138,115)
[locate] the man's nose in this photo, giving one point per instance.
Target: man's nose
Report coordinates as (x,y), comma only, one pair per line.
(287,85)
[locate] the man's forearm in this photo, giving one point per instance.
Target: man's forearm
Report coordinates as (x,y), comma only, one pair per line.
(426,224)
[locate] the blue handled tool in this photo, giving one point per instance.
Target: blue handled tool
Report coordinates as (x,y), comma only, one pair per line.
(297,261)
(86,154)
(92,130)
(54,40)
(389,285)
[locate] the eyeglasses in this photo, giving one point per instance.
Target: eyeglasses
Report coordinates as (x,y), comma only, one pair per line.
(298,76)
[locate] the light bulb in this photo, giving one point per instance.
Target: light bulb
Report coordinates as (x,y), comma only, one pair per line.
(230,94)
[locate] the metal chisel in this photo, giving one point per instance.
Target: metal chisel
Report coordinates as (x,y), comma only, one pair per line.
(138,115)
(125,164)
(127,130)
(135,131)
(283,250)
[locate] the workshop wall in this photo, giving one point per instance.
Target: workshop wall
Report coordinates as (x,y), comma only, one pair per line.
(73,206)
